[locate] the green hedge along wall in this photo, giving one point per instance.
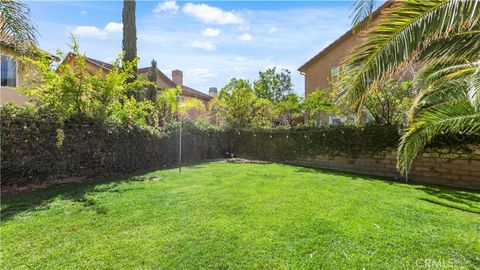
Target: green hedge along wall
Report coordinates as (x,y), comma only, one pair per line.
(285,145)
(38,147)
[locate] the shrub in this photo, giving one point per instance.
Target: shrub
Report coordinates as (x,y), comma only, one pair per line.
(39,146)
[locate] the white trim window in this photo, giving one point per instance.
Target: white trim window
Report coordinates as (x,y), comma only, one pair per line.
(335,120)
(335,71)
(8,75)
(341,119)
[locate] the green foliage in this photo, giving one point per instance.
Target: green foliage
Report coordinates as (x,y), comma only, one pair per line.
(151,93)
(390,102)
(444,35)
(39,145)
(444,106)
(69,91)
(414,31)
(220,215)
(269,103)
(235,103)
(18,32)
(318,102)
(263,113)
(285,144)
(289,110)
(273,85)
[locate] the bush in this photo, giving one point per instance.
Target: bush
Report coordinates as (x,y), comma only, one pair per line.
(38,147)
(284,144)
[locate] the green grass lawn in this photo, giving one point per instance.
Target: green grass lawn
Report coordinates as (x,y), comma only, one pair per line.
(241,216)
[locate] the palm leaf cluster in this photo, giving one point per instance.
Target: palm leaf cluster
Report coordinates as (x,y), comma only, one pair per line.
(447,103)
(444,37)
(18,34)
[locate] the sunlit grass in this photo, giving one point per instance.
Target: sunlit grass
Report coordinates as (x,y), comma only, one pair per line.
(240,216)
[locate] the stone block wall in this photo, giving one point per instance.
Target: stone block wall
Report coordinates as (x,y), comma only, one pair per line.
(450,167)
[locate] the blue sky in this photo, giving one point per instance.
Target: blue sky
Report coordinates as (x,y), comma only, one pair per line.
(210,41)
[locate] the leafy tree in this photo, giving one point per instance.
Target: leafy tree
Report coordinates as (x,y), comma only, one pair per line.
(273,85)
(167,103)
(263,113)
(318,102)
(18,34)
(151,93)
(129,41)
(443,33)
(289,109)
(390,102)
(70,91)
(236,103)
(172,105)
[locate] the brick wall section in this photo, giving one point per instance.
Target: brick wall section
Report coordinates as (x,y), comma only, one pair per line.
(459,168)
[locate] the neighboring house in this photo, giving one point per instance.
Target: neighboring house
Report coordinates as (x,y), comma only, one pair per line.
(163,81)
(14,74)
(323,67)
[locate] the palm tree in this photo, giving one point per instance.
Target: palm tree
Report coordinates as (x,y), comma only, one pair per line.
(442,33)
(18,34)
(448,103)
(129,41)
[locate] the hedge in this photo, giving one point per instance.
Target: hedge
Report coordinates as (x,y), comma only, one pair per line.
(339,139)
(39,147)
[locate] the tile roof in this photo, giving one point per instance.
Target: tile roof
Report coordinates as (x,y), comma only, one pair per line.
(186,91)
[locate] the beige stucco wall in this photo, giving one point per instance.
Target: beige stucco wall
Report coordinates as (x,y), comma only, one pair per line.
(318,74)
(25,75)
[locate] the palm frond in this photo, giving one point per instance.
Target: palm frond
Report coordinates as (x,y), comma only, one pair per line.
(399,38)
(449,118)
(361,14)
(18,33)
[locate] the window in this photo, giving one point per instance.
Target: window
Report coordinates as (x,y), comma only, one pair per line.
(8,72)
(335,71)
(335,120)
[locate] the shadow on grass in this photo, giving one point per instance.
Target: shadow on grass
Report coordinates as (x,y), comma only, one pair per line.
(452,197)
(16,203)
(456,199)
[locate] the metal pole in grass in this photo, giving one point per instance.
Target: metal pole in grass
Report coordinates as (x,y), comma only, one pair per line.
(180,100)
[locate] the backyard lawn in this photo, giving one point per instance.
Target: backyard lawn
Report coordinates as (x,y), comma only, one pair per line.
(223,215)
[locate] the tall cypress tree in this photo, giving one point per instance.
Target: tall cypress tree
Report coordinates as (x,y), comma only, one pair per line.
(152,77)
(129,41)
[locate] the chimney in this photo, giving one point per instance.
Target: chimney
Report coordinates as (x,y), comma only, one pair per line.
(212,91)
(177,77)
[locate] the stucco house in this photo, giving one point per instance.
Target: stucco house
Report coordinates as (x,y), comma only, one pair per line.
(14,74)
(325,65)
(163,81)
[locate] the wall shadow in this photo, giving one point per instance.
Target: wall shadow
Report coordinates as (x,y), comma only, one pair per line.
(16,203)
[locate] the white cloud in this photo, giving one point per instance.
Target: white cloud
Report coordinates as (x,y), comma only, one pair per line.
(206,45)
(272,30)
(93,31)
(114,27)
(201,72)
(211,14)
(83,12)
(245,37)
(211,32)
(167,6)
(89,31)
